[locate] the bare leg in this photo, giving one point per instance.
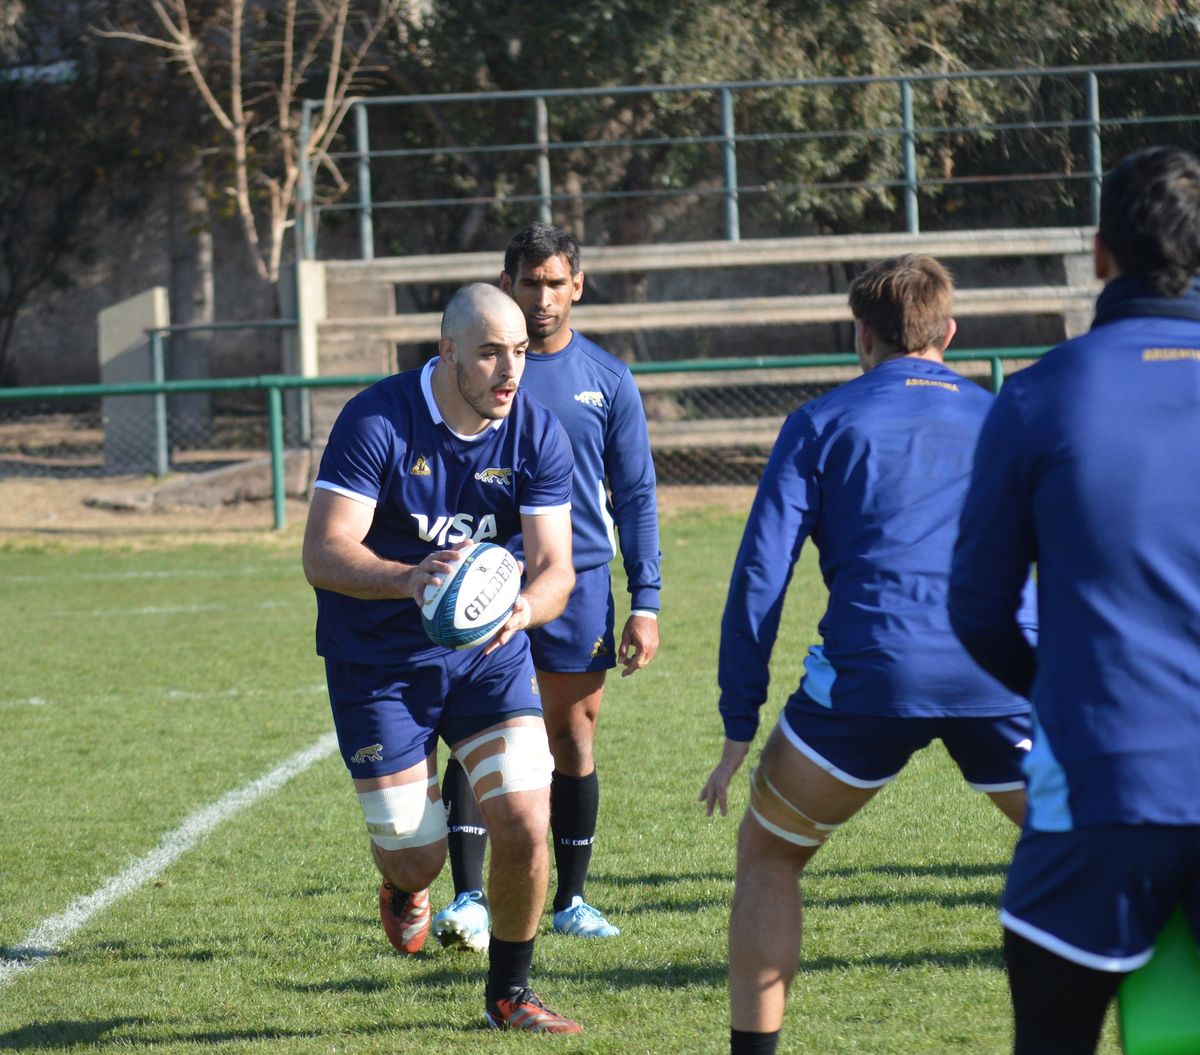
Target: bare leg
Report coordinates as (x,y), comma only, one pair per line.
(572,706)
(1011,804)
(517,823)
(766,921)
(520,867)
(416,867)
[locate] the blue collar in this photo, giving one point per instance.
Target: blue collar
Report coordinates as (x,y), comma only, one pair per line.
(1129,296)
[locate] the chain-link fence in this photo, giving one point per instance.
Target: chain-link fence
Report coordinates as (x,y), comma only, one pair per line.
(101,436)
(710,422)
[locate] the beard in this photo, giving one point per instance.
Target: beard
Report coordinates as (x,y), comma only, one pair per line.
(478,396)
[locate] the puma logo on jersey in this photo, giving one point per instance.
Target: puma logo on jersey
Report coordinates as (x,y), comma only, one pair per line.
(372,753)
(590,399)
(420,467)
(494,476)
(533,685)
(456,528)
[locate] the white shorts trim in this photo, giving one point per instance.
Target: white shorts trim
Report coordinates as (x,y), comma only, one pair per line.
(825,764)
(364,499)
(1014,785)
(1112,964)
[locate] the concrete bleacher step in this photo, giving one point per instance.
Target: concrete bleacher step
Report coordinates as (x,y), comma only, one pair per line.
(602,319)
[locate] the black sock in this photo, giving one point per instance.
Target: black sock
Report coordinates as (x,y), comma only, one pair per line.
(509,964)
(574,806)
(743,1042)
(1058,1006)
(466,835)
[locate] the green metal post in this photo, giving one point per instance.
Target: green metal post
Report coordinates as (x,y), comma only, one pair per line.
(278,493)
(541,123)
(1095,163)
(366,228)
(306,233)
(997,375)
(158,374)
(912,220)
(729,135)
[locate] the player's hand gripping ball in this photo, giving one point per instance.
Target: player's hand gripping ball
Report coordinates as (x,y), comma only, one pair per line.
(474,600)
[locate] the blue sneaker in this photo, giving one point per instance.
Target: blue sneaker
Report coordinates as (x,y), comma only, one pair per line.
(580,920)
(464,923)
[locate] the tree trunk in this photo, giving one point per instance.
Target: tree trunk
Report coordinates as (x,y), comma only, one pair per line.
(190,244)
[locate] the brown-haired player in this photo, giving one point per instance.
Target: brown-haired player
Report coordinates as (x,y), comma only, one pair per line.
(875,472)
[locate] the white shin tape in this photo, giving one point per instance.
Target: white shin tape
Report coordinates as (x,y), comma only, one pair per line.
(403,815)
(520,754)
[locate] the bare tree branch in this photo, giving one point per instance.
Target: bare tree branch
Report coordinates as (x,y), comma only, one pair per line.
(250,72)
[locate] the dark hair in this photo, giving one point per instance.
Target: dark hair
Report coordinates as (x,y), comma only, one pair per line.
(905,301)
(1150,217)
(538,242)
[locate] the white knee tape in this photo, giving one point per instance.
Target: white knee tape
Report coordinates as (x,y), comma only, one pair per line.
(506,760)
(403,815)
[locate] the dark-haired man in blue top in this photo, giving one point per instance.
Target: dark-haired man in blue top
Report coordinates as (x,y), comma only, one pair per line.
(1089,465)
(875,473)
(613,494)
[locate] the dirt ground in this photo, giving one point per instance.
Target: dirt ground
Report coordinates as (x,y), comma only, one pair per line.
(44,509)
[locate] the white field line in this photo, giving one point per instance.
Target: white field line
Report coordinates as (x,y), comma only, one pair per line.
(171,696)
(122,576)
(164,609)
(41,943)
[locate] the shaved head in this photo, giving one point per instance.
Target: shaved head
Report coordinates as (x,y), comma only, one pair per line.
(471,306)
(481,357)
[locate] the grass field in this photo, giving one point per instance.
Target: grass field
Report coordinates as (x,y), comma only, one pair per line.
(142,686)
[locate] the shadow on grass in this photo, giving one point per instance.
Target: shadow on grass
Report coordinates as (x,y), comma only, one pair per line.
(982,956)
(62,1034)
(67,1033)
(659,879)
(979,899)
(938,871)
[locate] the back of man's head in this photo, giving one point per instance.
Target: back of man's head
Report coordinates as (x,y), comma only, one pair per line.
(1150,217)
(905,302)
(538,242)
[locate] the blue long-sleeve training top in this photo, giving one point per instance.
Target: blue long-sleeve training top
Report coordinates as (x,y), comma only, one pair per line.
(1089,464)
(594,395)
(875,472)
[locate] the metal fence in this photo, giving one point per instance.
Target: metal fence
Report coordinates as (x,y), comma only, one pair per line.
(1062,105)
(723,416)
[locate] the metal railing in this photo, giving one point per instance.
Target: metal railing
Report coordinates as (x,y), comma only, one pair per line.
(276,385)
(158,339)
(536,154)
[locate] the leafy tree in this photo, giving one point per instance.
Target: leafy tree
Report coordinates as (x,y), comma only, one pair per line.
(802,137)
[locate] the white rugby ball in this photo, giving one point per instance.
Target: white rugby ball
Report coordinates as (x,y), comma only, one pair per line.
(474,600)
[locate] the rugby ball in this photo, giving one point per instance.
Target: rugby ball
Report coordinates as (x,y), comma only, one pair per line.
(474,600)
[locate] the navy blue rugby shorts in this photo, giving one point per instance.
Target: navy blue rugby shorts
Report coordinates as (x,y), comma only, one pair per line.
(389,718)
(581,639)
(867,751)
(1099,897)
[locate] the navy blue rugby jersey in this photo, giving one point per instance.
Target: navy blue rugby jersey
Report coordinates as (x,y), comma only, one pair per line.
(595,397)
(875,472)
(1089,465)
(430,488)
